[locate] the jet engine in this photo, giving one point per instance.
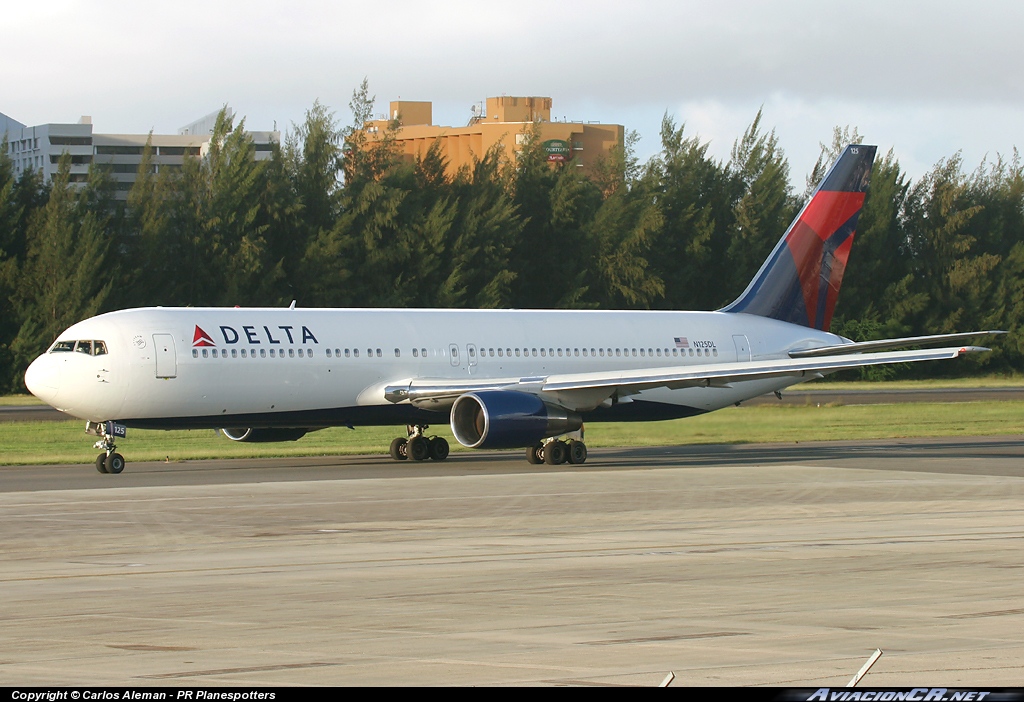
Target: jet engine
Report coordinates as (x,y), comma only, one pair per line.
(508,419)
(263,436)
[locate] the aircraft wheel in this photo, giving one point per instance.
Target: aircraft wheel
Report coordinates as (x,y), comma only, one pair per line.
(101,463)
(577,452)
(114,463)
(555,453)
(438,449)
(535,454)
(418,448)
(398,449)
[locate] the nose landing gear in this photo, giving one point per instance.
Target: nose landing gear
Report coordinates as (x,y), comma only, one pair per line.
(109,461)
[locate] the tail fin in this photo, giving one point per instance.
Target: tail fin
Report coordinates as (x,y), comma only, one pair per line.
(799,283)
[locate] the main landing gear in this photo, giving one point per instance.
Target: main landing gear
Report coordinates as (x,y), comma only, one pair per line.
(419,447)
(556,452)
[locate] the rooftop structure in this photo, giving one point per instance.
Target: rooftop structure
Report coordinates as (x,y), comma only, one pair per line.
(40,148)
(507,121)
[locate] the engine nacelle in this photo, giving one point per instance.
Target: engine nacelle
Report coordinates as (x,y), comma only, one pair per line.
(263,436)
(508,419)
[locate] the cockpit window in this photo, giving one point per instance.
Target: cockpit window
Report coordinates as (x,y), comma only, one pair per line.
(89,347)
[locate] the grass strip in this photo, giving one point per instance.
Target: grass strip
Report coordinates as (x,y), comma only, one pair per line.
(25,443)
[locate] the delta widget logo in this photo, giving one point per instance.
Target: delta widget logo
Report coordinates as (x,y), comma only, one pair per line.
(201,338)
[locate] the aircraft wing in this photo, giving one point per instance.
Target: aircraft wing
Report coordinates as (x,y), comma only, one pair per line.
(587,390)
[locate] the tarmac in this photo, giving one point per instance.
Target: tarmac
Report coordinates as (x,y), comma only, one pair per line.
(775,564)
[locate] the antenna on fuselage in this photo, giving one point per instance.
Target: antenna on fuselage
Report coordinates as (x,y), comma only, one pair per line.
(292,306)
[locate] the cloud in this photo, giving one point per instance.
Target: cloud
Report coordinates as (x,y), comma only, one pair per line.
(933,77)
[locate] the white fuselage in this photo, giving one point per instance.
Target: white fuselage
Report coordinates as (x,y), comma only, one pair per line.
(171,367)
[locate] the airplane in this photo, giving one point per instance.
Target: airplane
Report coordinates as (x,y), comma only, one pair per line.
(502,378)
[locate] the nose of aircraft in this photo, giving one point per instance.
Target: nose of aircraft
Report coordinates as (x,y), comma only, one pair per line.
(43,379)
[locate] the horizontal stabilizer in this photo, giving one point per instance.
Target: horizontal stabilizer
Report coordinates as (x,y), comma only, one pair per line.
(883,344)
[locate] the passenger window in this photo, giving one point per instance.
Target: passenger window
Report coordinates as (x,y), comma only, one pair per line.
(272,353)
(379,354)
(195,353)
(234,353)
(263,353)
(328,353)
(205,353)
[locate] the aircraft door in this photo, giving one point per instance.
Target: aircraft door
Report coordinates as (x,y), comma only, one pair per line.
(742,348)
(453,354)
(166,362)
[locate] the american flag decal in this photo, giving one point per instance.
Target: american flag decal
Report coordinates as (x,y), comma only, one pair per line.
(681,342)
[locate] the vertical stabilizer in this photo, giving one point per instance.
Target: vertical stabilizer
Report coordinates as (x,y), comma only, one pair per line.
(799,283)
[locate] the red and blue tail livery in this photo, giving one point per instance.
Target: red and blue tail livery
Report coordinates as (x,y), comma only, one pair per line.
(799,283)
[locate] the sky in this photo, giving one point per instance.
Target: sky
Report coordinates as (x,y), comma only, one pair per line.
(928,79)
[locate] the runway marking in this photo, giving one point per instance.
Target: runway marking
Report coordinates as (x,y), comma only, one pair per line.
(978,615)
(146,647)
(677,637)
(228,671)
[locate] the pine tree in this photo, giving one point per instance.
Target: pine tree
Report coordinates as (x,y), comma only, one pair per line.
(67,276)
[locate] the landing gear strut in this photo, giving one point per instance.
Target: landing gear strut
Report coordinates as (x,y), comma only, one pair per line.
(419,447)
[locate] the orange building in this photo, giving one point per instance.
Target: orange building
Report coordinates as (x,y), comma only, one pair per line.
(507,121)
